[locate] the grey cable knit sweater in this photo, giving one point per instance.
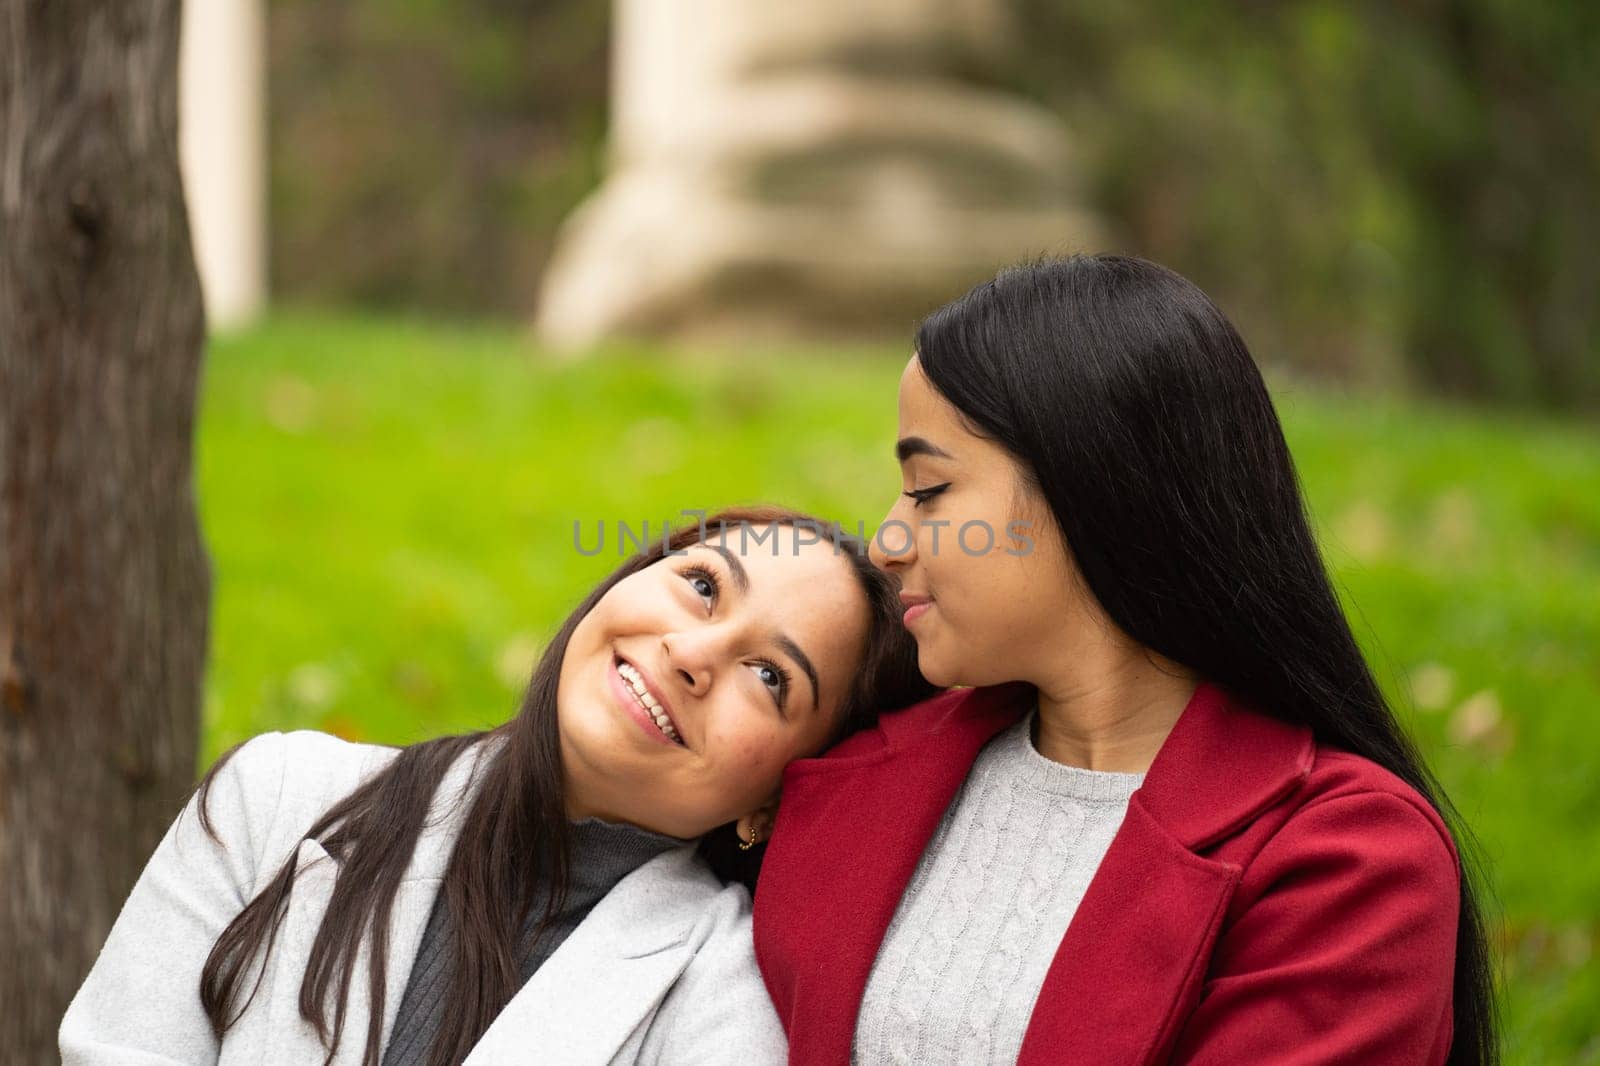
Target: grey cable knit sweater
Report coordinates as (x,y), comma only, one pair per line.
(603,853)
(959,970)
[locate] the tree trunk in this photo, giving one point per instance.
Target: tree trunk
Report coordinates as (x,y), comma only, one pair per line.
(104,582)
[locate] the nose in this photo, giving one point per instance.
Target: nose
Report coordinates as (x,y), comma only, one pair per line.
(691,658)
(894,545)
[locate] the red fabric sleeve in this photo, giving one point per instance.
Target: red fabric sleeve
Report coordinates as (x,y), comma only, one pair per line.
(1340,947)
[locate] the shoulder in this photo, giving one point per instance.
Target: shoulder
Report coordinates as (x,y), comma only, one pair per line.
(300,759)
(1349,894)
(906,726)
(894,727)
(1353,819)
(1345,788)
(276,785)
(321,769)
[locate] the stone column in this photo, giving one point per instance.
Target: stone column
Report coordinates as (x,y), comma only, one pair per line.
(221,138)
(813,170)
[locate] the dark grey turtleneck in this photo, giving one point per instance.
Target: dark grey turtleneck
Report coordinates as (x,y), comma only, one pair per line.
(603,853)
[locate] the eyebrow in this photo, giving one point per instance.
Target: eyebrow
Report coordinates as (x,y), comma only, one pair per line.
(805,664)
(906,447)
(741,578)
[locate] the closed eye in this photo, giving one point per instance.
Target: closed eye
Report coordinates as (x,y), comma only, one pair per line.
(922,496)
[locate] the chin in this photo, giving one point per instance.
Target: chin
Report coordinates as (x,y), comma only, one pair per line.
(937,670)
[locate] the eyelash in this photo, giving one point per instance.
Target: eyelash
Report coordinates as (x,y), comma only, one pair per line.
(785,678)
(922,496)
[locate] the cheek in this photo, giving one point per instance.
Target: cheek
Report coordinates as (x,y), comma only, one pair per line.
(1031,599)
(752,755)
(759,752)
(585,637)
(982,599)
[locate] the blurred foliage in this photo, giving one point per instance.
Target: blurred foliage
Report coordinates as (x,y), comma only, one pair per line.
(423,152)
(1397,193)
(1385,190)
(390,508)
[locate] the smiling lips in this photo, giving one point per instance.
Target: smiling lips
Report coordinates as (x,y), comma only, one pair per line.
(643,698)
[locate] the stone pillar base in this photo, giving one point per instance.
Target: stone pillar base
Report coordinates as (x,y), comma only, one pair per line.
(808,201)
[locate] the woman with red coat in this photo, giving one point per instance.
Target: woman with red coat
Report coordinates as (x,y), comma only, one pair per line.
(1168,815)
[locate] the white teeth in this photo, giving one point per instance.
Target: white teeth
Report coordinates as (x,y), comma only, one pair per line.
(636,683)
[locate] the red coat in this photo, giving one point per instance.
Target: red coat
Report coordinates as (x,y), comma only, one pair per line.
(1267,900)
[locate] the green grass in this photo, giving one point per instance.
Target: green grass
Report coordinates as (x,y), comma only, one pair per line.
(389,507)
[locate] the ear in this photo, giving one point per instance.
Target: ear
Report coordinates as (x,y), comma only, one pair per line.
(760,820)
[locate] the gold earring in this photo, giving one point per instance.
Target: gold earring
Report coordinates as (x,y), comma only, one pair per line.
(743,846)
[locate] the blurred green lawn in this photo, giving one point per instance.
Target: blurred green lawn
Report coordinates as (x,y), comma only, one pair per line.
(389,507)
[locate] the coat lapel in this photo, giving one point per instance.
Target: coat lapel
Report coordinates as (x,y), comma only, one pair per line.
(1132,960)
(292,1039)
(586,1001)
(851,831)
(844,865)
(1132,951)
(581,1006)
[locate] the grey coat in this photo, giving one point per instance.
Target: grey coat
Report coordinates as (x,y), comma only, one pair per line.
(661,971)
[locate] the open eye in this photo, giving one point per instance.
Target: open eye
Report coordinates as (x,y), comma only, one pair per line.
(776,678)
(705,583)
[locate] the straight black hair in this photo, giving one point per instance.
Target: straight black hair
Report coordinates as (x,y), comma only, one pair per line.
(515,836)
(1138,414)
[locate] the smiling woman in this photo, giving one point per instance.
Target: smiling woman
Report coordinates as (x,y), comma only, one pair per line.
(548,887)
(1170,817)
(685,727)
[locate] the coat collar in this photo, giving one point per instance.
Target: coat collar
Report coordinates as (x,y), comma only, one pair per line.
(591,995)
(851,830)
(583,1003)
(1221,766)
(1156,897)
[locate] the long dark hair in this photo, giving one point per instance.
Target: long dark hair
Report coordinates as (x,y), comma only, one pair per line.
(1138,414)
(515,837)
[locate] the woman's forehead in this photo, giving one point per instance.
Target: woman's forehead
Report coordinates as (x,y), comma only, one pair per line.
(799,586)
(924,411)
(778,560)
(804,591)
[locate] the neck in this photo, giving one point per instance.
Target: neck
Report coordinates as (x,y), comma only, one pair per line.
(1115,717)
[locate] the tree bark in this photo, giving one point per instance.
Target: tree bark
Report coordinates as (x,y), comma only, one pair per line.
(104,582)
